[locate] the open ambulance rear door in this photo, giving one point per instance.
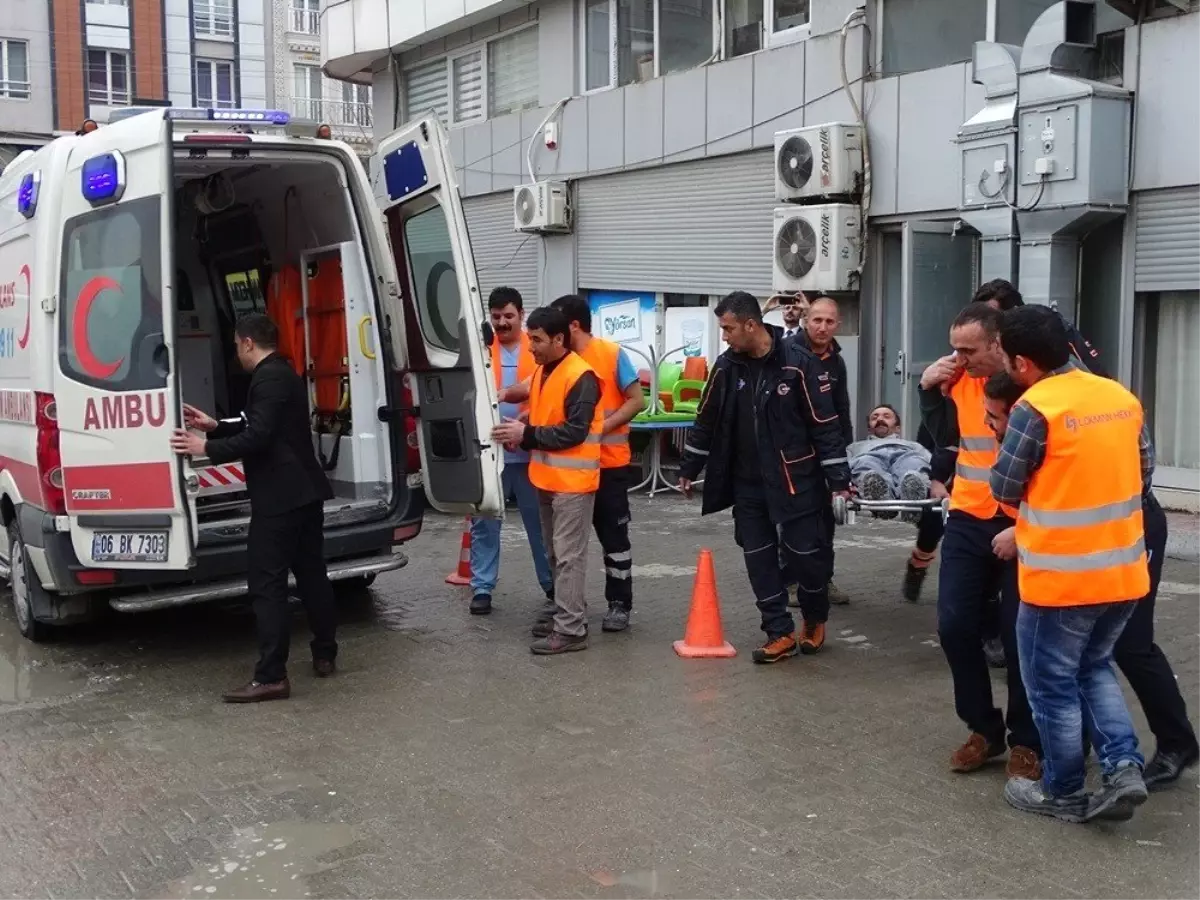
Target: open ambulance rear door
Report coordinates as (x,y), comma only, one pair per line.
(437,321)
(115,380)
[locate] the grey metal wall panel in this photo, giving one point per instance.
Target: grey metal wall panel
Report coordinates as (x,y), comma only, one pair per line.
(1166,254)
(502,256)
(699,227)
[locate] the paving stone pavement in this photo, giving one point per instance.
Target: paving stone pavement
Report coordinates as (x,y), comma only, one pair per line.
(446,761)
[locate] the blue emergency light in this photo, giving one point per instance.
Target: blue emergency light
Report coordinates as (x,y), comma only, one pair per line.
(27,193)
(201,114)
(103,178)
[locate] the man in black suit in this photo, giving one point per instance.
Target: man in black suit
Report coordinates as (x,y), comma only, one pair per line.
(287,490)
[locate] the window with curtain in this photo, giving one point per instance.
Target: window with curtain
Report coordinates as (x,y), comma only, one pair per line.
(467,89)
(427,89)
(214,84)
(309,85)
(14,69)
(108,77)
(1170,325)
(513,72)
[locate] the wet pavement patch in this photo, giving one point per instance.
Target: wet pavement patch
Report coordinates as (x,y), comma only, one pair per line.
(266,861)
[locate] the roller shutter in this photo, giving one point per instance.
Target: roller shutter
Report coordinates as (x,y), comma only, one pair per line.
(1167,240)
(502,256)
(701,227)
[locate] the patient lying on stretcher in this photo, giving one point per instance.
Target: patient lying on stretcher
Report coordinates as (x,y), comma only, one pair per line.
(887,467)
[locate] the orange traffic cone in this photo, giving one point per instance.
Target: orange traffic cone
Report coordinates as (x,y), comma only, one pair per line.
(462,575)
(704,638)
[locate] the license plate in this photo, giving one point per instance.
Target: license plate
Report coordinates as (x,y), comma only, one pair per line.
(129,546)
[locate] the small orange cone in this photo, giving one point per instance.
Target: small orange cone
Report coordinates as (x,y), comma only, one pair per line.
(704,638)
(462,575)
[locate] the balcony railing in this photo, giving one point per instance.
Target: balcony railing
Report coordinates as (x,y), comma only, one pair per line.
(304,21)
(14,90)
(351,116)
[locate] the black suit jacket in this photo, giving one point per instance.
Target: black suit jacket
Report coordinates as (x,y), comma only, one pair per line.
(274,441)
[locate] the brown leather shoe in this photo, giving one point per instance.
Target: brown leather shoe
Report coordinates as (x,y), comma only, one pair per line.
(974,753)
(324,667)
(1023,763)
(812,638)
(256,692)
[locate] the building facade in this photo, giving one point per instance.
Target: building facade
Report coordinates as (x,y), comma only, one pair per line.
(62,63)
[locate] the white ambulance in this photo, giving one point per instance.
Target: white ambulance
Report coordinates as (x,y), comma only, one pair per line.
(128,251)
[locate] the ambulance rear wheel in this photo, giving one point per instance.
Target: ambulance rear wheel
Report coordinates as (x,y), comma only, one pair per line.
(26,590)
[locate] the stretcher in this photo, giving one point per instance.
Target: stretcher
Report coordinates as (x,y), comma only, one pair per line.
(844,510)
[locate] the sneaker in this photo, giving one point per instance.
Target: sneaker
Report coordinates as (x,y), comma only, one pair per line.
(812,638)
(1029,796)
(874,486)
(1167,766)
(993,650)
(975,753)
(556,642)
(1023,763)
(481,604)
(913,486)
(1123,791)
(914,580)
(837,596)
(776,649)
(616,619)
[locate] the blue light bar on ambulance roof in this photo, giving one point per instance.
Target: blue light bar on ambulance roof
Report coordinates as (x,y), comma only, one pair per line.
(27,193)
(198,114)
(103,178)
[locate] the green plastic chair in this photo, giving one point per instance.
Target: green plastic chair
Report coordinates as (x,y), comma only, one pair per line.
(668,374)
(696,388)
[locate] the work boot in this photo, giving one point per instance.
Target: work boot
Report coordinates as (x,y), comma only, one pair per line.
(975,753)
(1023,763)
(874,486)
(837,596)
(1167,765)
(1029,796)
(324,668)
(812,638)
(1122,792)
(913,486)
(257,692)
(616,619)
(775,649)
(993,650)
(481,605)
(556,642)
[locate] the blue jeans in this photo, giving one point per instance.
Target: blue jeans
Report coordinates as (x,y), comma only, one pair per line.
(485,535)
(1067,665)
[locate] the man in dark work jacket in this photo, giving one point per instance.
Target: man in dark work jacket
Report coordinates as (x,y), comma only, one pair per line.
(288,490)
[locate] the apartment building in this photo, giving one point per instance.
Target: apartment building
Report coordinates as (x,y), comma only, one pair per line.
(666,111)
(62,63)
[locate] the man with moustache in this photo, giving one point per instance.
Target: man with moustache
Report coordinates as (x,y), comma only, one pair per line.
(970,573)
(512,363)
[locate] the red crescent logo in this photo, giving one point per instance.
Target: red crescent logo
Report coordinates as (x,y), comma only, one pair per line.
(83,308)
(24,339)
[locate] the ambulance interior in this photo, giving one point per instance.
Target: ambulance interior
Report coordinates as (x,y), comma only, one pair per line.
(282,238)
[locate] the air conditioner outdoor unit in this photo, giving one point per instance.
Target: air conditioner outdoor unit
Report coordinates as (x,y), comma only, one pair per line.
(544,206)
(816,247)
(818,161)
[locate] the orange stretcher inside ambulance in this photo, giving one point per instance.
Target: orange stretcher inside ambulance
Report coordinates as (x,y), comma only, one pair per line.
(127,253)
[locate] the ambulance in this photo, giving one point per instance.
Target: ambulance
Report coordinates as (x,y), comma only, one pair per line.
(127,253)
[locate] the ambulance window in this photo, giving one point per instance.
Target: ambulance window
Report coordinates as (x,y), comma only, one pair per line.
(110,320)
(434,281)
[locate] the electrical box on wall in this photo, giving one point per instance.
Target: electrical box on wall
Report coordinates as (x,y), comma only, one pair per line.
(1077,152)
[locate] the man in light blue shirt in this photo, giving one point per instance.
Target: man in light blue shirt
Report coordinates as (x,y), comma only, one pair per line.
(512,363)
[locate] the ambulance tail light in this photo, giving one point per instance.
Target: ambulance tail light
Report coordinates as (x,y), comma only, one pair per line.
(49,459)
(412,446)
(96,577)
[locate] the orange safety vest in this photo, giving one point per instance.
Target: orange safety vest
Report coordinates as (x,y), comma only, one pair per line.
(525,362)
(971,491)
(1080,538)
(604,356)
(577,469)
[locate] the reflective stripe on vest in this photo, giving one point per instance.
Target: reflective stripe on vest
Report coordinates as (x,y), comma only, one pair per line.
(1080,537)
(971,491)
(575,470)
(604,357)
